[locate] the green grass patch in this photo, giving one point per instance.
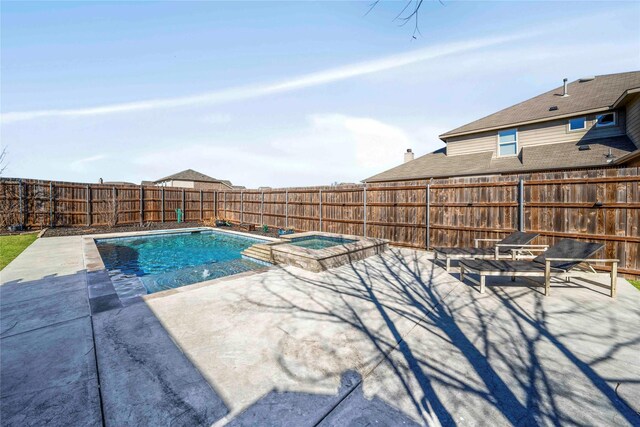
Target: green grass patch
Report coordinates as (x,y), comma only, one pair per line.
(12,246)
(635,283)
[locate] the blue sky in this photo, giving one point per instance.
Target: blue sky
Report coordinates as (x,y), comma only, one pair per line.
(278,94)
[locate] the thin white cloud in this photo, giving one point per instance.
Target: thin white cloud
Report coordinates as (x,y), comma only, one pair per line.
(258,90)
(348,148)
(371,142)
(80,164)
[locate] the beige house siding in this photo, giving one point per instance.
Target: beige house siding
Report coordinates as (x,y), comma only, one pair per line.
(177,183)
(468,144)
(558,131)
(633,120)
(196,185)
(551,132)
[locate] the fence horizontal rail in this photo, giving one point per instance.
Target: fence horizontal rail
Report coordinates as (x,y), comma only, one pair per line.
(587,236)
(599,180)
(595,205)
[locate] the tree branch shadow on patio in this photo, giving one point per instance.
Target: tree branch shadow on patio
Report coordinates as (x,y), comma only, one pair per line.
(444,354)
(507,357)
(149,381)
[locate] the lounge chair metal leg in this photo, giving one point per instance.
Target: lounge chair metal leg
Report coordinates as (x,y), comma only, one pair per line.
(547,278)
(513,278)
(482,283)
(461,273)
(448,264)
(614,279)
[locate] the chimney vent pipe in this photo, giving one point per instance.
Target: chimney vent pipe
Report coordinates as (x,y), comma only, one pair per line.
(566,92)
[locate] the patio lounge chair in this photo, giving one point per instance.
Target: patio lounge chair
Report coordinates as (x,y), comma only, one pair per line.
(561,260)
(502,249)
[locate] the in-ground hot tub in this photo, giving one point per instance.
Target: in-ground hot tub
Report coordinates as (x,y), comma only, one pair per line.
(317,242)
(317,251)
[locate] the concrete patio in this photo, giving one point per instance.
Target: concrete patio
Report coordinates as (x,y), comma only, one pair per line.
(391,340)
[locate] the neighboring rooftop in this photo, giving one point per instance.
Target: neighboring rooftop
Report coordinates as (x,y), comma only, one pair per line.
(192,175)
(589,94)
(117,183)
(568,155)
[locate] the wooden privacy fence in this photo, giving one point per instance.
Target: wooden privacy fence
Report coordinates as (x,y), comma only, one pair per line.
(597,205)
(61,204)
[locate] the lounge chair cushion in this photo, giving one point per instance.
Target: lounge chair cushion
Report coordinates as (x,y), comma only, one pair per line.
(505,266)
(568,248)
(565,248)
(515,238)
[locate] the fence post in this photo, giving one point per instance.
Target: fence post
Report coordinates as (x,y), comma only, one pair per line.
(241,207)
(200,205)
(521,205)
(364,195)
(286,208)
(184,214)
(141,204)
(262,208)
(115,206)
(215,204)
(20,207)
(50,204)
(320,193)
(88,206)
(428,217)
(225,205)
(162,203)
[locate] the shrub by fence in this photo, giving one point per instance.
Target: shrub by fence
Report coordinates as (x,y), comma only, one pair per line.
(597,205)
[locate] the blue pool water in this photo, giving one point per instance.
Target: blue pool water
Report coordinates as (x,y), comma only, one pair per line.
(320,242)
(152,263)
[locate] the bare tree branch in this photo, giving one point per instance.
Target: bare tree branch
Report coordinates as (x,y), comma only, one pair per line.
(371,6)
(409,13)
(3,160)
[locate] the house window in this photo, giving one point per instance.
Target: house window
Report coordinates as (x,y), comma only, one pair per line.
(508,142)
(604,120)
(579,123)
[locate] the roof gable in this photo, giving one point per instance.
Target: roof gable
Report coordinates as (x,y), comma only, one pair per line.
(189,175)
(600,93)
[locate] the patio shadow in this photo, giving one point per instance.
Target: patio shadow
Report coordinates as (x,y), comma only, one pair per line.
(510,356)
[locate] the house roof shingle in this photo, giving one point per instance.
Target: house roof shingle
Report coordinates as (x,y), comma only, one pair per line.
(191,175)
(600,93)
(532,158)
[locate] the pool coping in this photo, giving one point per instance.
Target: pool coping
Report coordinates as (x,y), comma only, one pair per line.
(101,291)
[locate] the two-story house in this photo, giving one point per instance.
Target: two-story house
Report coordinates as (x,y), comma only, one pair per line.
(591,122)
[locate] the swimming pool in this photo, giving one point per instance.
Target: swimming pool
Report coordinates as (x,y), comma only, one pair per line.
(319,242)
(151,263)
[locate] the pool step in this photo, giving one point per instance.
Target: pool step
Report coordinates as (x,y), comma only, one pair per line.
(260,252)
